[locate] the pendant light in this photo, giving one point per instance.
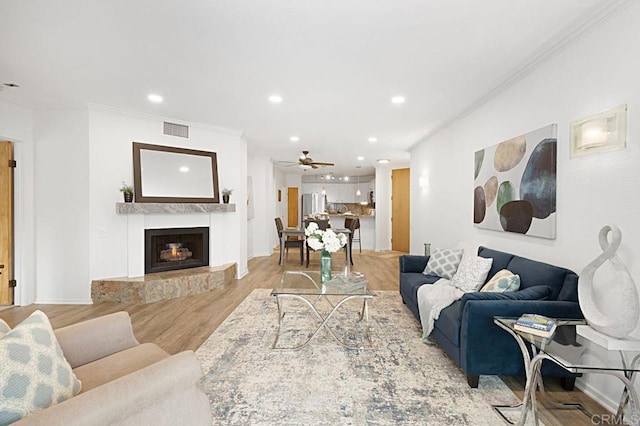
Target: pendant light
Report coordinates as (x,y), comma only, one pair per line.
(358,193)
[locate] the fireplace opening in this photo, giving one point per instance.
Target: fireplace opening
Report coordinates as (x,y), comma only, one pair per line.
(175,248)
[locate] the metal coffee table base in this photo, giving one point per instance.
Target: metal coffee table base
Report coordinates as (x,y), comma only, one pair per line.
(364,315)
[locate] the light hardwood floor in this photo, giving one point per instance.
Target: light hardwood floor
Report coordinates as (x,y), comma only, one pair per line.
(181,324)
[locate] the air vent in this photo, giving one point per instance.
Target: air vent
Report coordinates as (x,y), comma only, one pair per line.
(173,129)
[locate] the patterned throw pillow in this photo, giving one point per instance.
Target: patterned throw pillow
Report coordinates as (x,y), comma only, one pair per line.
(443,262)
(33,371)
(472,273)
(503,281)
(4,328)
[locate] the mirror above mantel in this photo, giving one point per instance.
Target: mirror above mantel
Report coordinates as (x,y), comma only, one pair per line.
(165,174)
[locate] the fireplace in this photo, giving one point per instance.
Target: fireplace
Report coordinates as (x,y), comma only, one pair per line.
(175,248)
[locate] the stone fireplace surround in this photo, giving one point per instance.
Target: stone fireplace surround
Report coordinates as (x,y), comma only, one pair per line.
(137,287)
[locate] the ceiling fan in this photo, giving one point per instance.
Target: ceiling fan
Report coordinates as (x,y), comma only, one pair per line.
(307,162)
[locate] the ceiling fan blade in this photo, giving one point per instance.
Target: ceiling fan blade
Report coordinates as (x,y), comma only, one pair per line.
(287,163)
(317,163)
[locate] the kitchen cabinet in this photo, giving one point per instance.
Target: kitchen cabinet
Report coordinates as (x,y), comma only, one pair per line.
(310,188)
(333,193)
(347,192)
(364,188)
(340,192)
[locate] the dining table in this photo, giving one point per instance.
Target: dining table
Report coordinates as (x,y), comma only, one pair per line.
(299,232)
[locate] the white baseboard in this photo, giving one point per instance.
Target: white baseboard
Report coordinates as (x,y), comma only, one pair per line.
(597,396)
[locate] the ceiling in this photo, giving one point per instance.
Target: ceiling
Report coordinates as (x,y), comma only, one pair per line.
(335,63)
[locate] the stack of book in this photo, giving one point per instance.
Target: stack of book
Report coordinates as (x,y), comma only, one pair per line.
(535,324)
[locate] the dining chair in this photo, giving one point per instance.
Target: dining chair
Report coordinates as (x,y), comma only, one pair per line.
(289,243)
(323,225)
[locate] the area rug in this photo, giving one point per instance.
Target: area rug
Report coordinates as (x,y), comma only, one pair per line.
(400,381)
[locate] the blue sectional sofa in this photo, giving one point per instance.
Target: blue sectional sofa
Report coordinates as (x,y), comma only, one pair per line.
(465,329)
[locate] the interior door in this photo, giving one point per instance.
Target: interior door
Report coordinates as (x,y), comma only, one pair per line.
(400,210)
(6,222)
(292,207)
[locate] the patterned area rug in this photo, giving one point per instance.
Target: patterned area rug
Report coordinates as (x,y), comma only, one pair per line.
(402,380)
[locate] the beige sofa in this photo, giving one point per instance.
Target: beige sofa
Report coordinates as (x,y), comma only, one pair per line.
(125,382)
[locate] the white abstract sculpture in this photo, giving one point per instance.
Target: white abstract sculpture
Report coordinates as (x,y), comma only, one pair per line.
(628,307)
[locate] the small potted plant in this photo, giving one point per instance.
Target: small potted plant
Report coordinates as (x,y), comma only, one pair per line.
(127,190)
(226,193)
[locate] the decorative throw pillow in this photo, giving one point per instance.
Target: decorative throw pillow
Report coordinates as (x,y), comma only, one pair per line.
(4,328)
(503,281)
(33,371)
(472,273)
(443,262)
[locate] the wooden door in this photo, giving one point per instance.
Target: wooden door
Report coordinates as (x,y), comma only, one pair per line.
(292,207)
(400,210)
(6,222)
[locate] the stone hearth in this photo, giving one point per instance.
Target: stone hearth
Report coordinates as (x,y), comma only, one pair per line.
(163,285)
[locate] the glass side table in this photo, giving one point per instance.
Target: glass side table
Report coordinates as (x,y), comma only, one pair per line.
(575,354)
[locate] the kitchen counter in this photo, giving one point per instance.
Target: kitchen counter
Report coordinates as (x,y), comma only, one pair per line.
(361,216)
(367,231)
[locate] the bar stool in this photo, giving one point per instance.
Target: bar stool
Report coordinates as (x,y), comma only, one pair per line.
(357,228)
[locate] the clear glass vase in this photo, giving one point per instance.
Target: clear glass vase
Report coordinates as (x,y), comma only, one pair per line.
(325,266)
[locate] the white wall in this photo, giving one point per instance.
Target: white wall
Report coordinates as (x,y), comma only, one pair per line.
(383,207)
(594,73)
(261,235)
(62,204)
(71,162)
(111,134)
(16,125)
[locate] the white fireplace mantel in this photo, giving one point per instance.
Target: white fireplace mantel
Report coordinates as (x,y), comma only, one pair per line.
(142,216)
(173,208)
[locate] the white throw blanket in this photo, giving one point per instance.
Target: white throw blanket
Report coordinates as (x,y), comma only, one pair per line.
(434,298)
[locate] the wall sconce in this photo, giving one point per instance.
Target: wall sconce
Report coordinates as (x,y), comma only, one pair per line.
(423,182)
(606,131)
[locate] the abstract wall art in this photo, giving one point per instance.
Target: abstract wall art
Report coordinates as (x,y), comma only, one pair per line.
(515,185)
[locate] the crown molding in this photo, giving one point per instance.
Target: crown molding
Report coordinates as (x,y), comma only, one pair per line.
(565,38)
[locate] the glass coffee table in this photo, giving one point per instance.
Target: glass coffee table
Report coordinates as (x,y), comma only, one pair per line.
(307,287)
(576,354)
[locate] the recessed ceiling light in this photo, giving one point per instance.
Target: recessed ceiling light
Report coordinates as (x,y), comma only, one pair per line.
(184,169)
(373,139)
(346,178)
(328,176)
(361,158)
(384,161)
(294,139)
(275,99)
(155,98)
(397,100)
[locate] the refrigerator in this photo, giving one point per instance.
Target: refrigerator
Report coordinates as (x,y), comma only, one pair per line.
(312,203)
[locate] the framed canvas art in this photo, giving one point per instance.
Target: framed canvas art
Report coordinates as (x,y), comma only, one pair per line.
(515,184)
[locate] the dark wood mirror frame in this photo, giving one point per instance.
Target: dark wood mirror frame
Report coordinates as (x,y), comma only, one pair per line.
(137,175)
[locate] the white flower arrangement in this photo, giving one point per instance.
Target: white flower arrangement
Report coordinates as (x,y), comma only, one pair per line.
(324,240)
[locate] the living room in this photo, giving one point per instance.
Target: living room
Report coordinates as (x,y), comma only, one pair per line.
(73,155)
